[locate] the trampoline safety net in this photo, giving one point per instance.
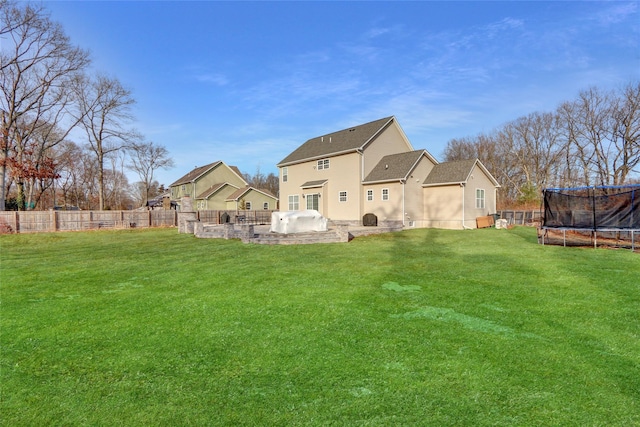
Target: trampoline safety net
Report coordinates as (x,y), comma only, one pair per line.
(593,208)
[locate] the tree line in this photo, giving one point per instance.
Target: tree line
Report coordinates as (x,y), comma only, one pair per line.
(593,140)
(48,92)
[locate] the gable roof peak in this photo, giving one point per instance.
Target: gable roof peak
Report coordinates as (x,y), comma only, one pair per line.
(455,172)
(397,166)
(343,141)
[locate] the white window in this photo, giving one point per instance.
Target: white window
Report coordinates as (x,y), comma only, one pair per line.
(247,206)
(312,201)
(343,196)
(385,194)
(285,174)
(265,206)
(323,164)
(369,195)
(479,198)
(294,202)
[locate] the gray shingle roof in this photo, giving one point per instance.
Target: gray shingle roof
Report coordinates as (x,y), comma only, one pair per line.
(450,172)
(312,184)
(195,173)
(343,141)
(238,193)
(211,190)
(394,166)
(242,191)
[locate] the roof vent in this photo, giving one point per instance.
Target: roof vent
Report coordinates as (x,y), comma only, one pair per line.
(386,166)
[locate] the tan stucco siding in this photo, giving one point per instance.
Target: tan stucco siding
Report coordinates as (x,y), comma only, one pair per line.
(405,199)
(390,141)
(413,194)
(443,207)
(385,210)
(343,174)
(478,180)
(296,175)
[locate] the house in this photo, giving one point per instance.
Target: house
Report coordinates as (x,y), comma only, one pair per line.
(217,186)
(373,169)
(249,198)
(456,193)
(161,201)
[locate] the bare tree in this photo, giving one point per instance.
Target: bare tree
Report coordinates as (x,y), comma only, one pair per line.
(269,183)
(603,133)
(37,62)
(625,132)
(146,159)
(104,110)
(592,140)
(536,147)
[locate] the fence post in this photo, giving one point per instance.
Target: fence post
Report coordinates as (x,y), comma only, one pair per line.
(53,217)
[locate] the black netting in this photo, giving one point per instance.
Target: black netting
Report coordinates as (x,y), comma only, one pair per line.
(593,209)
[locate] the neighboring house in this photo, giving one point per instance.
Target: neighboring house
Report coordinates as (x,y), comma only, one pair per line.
(161,201)
(216,186)
(249,198)
(373,168)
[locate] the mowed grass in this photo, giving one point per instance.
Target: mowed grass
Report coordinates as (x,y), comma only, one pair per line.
(422,327)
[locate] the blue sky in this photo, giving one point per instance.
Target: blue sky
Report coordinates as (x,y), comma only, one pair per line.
(248,82)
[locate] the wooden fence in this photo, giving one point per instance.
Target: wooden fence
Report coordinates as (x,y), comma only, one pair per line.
(50,221)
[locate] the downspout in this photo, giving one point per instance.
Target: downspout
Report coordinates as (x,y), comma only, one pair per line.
(361,208)
(404,213)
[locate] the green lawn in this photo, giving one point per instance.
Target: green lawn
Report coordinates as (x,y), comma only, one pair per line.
(423,327)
